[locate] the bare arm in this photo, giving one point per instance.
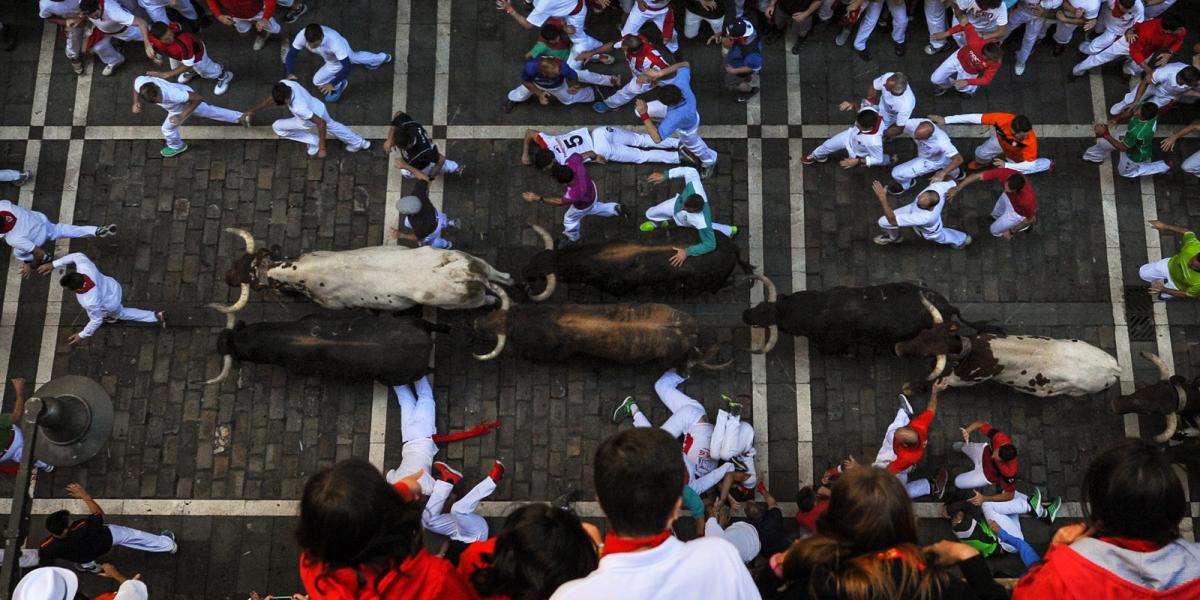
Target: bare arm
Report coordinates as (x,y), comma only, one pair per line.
(1169,143)
(1161,226)
(506,6)
(268,101)
(321,129)
(651,130)
(18,411)
(76,491)
(942,174)
(881,195)
(530,135)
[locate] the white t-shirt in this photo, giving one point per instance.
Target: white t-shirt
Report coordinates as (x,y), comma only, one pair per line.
(303,105)
(936,147)
(29,232)
(928,223)
(1091,8)
(1165,79)
(333,48)
(114,18)
(706,568)
(867,146)
(99,302)
(565,145)
(1128,18)
(174,95)
(896,110)
(65,9)
(544,9)
(985,20)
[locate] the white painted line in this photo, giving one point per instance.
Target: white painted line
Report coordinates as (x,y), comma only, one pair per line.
(758,362)
(1162,329)
(804,424)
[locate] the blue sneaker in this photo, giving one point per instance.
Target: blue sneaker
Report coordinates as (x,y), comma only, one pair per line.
(337,91)
(601,107)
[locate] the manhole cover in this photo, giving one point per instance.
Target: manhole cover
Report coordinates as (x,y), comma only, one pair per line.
(1139,314)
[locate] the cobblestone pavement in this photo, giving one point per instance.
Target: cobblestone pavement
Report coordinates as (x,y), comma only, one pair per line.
(215,459)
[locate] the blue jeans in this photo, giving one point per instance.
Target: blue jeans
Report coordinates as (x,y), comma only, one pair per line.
(1029,556)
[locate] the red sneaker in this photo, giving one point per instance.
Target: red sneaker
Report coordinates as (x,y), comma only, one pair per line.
(497,471)
(443,472)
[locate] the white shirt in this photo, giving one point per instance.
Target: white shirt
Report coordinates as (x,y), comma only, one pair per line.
(100,301)
(565,145)
(869,146)
(1166,80)
(113,19)
(984,20)
(174,95)
(66,9)
(149,3)
(702,569)
(897,110)
(1043,4)
(29,232)
(333,47)
(544,9)
(928,223)
(1091,8)
(1128,19)
(303,105)
(936,147)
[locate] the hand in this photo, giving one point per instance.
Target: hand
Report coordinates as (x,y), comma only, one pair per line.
(292,77)
(544,99)
(174,119)
(153,56)
(656,178)
(708,4)
(937,177)
(1090,25)
(653,74)
(78,492)
(26,270)
(734,506)
(599,159)
(388,145)
(679,257)
(226,20)
(1158,225)
(939,36)
(261,25)
(502,4)
(74,340)
(1036,11)
(1067,534)
(525,160)
(880,191)
(1131,36)
(848,106)
(849,463)
(44,268)
(940,385)
(325,89)
(960,84)
(770,12)
(1007,235)
(1162,60)
(713,39)
(137,107)
(1169,143)
(531,197)
(977,499)
(1100,129)
(966,435)
(849,163)
(940,120)
(640,106)
(321,152)
(947,553)
(1157,288)
(998,163)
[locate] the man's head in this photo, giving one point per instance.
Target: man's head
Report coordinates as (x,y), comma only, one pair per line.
(993,52)
(1147,111)
(1172,22)
(631,44)
(907,436)
(313,36)
(693,203)
(927,200)
(549,67)
(150,93)
(1005,453)
(91,8)
(1132,491)
(1127,4)
(989,4)
(754,511)
(639,477)
(161,32)
(670,95)
(740,31)
(73,281)
(58,522)
(543,158)
(1021,127)
(408,205)
(806,498)
(562,174)
(550,32)
(1189,76)
(1014,184)
(897,84)
(867,119)
(923,131)
(281,93)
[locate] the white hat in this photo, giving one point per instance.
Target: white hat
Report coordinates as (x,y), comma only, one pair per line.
(409,205)
(741,534)
(47,583)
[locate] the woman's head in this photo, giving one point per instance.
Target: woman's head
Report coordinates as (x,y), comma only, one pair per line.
(350,516)
(1130,490)
(538,549)
(869,510)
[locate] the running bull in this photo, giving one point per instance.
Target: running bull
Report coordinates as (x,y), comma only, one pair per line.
(837,319)
(390,278)
(1035,365)
(620,266)
(1172,396)
(621,333)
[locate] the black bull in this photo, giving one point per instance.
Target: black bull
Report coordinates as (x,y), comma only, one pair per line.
(620,266)
(1172,396)
(392,350)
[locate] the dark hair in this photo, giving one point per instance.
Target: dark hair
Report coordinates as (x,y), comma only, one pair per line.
(1190,75)
(543,158)
(89,6)
(1008,452)
(1021,124)
(993,51)
(1171,21)
(754,511)
(670,95)
(550,32)
(313,33)
(806,498)
(869,512)
(1148,110)
(158,29)
(989,4)
(639,477)
(693,203)
(866,119)
(72,281)
(57,522)
(281,93)
(631,37)
(538,549)
(1130,490)
(562,173)
(150,92)
(1127,3)
(1015,183)
(351,517)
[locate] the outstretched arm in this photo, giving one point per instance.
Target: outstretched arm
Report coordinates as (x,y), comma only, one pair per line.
(79,493)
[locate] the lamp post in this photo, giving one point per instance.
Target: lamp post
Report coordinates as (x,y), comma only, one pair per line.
(66,422)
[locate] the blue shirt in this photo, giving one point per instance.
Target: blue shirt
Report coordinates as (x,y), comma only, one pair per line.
(530,73)
(747,55)
(682,115)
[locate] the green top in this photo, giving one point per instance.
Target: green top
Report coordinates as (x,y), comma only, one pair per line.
(693,503)
(6,432)
(980,537)
(1139,139)
(540,49)
(1184,278)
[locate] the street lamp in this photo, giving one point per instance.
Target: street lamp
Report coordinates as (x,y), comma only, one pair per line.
(66,422)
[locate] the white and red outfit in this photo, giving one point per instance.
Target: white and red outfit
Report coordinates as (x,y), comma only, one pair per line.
(1114,569)
(24,230)
(933,153)
(100,296)
(1035,26)
(418,424)
(658,11)
(968,64)
(688,419)
(157,9)
(613,143)
(188,50)
(867,145)
(1010,210)
(65,9)
(114,22)
(461,524)
(1091,10)
(1110,44)
(1164,89)
(245,13)
(646,58)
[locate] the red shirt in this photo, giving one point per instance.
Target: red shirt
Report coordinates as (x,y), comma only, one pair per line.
(185,47)
(472,560)
(1001,472)
(1151,39)
(242,9)
(1024,202)
(1065,574)
(908,456)
(421,577)
(971,56)
(808,520)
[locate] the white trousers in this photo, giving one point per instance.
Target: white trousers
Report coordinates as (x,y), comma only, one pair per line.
(435,239)
(621,145)
(141,315)
(686,412)
(1098,153)
(159,13)
(948,72)
(935,18)
(449,167)
(990,149)
(140,540)
(16,449)
(245,25)
(205,110)
(834,144)
(7,175)
(1035,27)
(574,216)
(1192,164)
(632,89)
(1064,31)
(1158,271)
(328,70)
(692,21)
(1007,515)
(974,478)
(74,45)
(689,138)
(637,18)
(1152,95)
(1103,49)
(418,423)
(461,523)
(906,172)
(305,132)
(58,231)
(205,67)
(870,18)
(1004,215)
(108,53)
(947,236)
(665,211)
(886,455)
(562,92)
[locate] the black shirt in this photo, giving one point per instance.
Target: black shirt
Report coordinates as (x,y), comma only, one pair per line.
(791,7)
(772,532)
(420,151)
(425,221)
(87,539)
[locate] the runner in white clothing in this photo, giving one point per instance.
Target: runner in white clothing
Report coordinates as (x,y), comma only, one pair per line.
(111,19)
(1072,15)
(1118,17)
(157,9)
(573,13)
(10,430)
(602,144)
(27,231)
(990,18)
(892,97)
(1033,15)
(98,294)
(647,67)
(1170,83)
(328,44)
(658,11)
(460,523)
(924,215)
(935,154)
(310,123)
(863,141)
(418,424)
(180,102)
(66,14)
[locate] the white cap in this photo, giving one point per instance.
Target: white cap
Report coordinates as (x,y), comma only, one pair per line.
(47,583)
(741,534)
(409,205)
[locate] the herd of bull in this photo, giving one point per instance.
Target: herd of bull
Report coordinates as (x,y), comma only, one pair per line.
(907,319)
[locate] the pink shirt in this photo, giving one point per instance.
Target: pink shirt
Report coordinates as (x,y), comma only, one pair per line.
(581,192)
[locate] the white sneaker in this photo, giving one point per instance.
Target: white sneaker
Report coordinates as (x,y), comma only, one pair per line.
(966,242)
(223,83)
(313,150)
(186,76)
(109,69)
(884,240)
(1019,69)
(842,37)
(930,50)
(260,41)
(366,144)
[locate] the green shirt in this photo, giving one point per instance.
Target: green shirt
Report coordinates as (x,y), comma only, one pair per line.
(1184,278)
(540,49)
(693,503)
(1139,139)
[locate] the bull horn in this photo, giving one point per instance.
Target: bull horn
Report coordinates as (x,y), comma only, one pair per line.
(246,236)
(773,330)
(938,367)
(242,300)
(501,338)
(551,279)
(226,367)
(933,311)
(1163,372)
(1169,431)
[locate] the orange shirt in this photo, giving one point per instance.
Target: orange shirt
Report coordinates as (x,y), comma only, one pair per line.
(1014,150)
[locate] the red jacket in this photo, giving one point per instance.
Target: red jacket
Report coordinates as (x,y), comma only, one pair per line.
(1092,569)
(1151,39)
(242,9)
(971,56)
(421,577)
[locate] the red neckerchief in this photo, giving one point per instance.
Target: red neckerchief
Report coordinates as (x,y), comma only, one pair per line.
(1132,543)
(617,545)
(875,129)
(87,286)
(1117,12)
(7,221)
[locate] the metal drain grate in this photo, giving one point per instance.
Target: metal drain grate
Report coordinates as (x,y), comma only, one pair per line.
(1139,313)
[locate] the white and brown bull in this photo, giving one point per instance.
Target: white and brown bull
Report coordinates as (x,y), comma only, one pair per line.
(389,278)
(1173,396)
(1036,365)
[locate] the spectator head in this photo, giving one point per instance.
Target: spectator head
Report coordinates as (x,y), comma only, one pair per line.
(150,92)
(281,93)
(549,67)
(897,84)
(639,476)
(1014,184)
(993,52)
(57,523)
(867,119)
(670,95)
(73,281)
(538,549)
(351,517)
(1021,127)
(1147,111)
(806,498)
(1172,22)
(924,131)
(754,511)
(543,158)
(1189,76)
(550,32)
(161,32)
(1130,490)
(562,174)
